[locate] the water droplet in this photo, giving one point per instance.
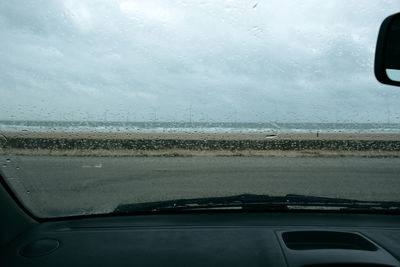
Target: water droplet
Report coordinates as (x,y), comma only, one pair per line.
(18,168)
(255,5)
(8,160)
(28,192)
(4,166)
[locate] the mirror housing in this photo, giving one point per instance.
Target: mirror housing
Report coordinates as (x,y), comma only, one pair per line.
(387,54)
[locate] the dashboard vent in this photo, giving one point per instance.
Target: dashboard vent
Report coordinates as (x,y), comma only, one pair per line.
(307,240)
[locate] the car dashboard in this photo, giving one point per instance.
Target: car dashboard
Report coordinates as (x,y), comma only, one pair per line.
(211,239)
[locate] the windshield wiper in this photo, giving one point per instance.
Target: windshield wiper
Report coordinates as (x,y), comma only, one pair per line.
(250,202)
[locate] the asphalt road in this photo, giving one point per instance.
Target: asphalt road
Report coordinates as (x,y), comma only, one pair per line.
(55,186)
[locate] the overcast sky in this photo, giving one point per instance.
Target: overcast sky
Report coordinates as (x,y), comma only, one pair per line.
(258,61)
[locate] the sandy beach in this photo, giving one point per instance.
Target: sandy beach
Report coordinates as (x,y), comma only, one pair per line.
(209,136)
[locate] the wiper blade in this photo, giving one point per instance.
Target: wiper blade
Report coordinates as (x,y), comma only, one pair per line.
(258,202)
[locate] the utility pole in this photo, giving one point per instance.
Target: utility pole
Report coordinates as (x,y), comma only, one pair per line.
(190,113)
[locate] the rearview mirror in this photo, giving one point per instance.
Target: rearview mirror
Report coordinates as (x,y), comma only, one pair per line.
(387,54)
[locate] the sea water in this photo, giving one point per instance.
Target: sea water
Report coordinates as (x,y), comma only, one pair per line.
(194,127)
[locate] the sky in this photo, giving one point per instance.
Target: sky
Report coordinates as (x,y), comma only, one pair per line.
(205,61)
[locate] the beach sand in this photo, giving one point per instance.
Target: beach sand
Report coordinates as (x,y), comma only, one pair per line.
(211,136)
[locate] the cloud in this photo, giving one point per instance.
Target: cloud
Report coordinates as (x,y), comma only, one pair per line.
(148,10)
(281,61)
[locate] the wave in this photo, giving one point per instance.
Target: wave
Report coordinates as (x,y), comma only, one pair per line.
(195,127)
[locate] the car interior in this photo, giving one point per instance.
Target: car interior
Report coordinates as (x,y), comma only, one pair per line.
(190,234)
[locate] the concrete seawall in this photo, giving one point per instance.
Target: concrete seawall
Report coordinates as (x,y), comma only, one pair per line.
(196,145)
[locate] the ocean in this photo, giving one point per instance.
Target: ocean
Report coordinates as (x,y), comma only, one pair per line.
(194,127)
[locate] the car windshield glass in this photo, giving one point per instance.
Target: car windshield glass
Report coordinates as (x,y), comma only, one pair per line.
(109,104)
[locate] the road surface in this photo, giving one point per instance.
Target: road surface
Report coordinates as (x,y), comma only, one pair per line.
(56,186)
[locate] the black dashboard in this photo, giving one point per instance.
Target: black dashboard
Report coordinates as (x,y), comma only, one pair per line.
(211,239)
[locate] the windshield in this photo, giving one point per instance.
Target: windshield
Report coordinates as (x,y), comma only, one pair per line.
(109,103)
